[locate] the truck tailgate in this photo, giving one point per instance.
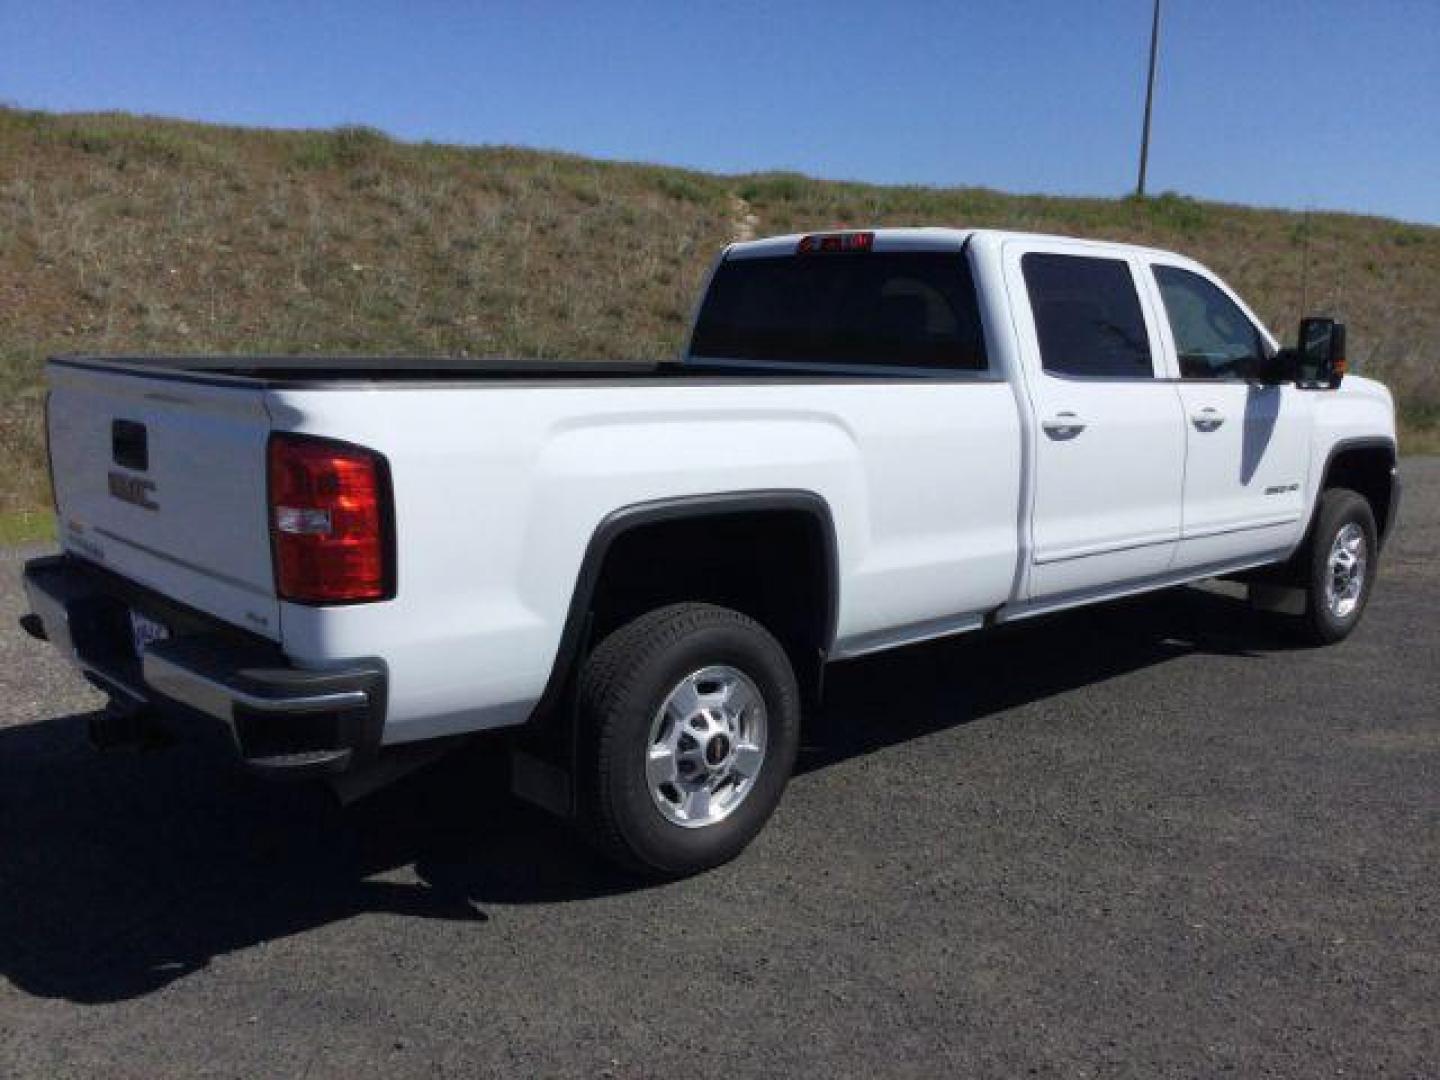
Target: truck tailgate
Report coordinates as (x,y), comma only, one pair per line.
(163,480)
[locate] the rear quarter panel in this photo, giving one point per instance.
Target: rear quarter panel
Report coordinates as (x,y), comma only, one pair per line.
(499,489)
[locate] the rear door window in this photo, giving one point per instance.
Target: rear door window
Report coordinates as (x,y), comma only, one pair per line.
(1087,316)
(898,309)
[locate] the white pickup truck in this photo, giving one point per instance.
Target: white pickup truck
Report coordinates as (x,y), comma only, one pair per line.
(872,439)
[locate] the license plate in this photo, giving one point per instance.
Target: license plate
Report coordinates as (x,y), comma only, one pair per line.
(145,631)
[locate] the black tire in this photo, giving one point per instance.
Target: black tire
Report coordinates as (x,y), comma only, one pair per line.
(1339,508)
(624,684)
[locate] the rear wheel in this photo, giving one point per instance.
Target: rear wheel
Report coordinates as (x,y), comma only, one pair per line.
(691,721)
(1339,566)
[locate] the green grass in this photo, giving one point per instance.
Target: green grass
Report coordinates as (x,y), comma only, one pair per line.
(121,233)
(26,526)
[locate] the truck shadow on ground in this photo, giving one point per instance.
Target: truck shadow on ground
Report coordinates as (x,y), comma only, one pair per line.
(123,873)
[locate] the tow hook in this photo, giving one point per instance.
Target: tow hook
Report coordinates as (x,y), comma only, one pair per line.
(121,727)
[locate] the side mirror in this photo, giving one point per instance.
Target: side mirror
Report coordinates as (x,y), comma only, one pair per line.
(1282,367)
(1321,352)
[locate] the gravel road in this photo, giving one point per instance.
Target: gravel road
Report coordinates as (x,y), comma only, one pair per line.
(1152,839)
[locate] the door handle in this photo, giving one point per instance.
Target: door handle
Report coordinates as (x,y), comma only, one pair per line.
(1207,419)
(1063,425)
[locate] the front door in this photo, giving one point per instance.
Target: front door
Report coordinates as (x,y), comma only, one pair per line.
(1109,437)
(1247,452)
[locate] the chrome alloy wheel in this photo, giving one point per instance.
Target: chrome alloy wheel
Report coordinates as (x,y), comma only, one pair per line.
(1345,571)
(706,746)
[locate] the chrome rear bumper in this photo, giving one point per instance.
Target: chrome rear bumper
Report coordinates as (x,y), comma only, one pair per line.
(282,720)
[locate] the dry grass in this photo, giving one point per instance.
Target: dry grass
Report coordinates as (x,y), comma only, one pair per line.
(126,234)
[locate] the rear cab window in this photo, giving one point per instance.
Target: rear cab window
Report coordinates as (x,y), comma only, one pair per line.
(901,310)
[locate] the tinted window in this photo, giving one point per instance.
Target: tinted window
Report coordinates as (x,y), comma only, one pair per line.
(1087,316)
(914,309)
(1213,337)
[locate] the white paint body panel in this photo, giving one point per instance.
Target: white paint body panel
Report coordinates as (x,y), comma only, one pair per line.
(1245,480)
(950,507)
(1247,453)
(498,491)
(208,543)
(1106,501)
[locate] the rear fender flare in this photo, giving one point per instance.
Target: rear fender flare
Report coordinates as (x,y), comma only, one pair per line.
(576,630)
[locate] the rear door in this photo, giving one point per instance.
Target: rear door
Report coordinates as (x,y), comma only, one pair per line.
(162,480)
(1109,457)
(1247,443)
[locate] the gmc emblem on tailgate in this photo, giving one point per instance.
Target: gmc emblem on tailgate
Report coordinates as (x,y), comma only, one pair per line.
(133,490)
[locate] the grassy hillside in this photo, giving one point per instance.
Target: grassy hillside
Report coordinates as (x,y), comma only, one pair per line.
(126,234)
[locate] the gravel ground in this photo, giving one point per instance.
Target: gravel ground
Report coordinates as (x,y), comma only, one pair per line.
(1151,839)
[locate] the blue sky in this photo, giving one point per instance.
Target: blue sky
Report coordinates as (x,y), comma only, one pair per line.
(1324,104)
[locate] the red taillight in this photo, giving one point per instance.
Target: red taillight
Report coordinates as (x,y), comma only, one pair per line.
(830,243)
(329,521)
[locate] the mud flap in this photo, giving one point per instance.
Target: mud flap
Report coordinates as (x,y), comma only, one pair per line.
(1280,599)
(541,782)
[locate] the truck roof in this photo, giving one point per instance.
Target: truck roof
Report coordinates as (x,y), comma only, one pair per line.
(927,238)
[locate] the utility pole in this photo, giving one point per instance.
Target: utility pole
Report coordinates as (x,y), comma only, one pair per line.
(1149,97)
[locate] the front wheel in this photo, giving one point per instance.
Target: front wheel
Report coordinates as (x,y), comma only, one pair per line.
(690,721)
(1340,567)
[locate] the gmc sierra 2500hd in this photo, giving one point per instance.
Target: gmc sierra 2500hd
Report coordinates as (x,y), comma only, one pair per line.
(873,438)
